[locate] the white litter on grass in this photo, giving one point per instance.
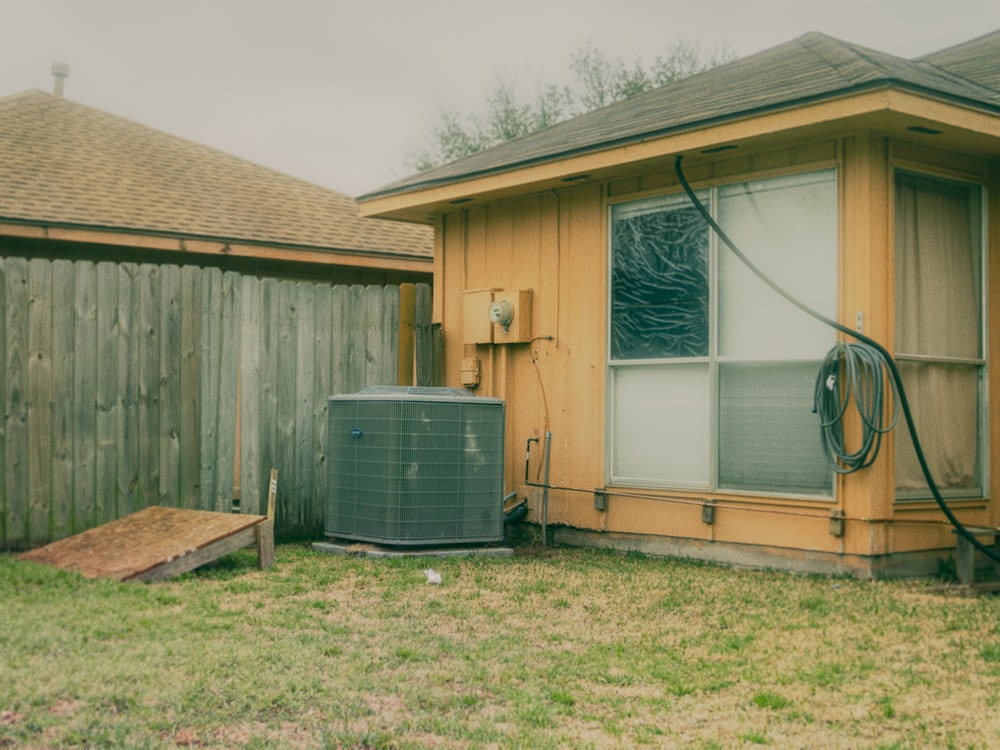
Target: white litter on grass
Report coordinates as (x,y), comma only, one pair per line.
(433,576)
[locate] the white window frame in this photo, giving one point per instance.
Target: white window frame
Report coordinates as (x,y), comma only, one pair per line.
(714,361)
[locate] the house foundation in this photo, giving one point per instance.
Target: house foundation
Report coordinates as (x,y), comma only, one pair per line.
(923,563)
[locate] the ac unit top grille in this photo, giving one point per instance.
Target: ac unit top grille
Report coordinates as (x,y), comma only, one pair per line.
(415,393)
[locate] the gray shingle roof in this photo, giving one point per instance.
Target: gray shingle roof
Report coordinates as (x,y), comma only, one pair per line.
(813,67)
(978,59)
(67,164)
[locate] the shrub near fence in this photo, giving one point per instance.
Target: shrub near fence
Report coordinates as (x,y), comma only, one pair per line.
(128,385)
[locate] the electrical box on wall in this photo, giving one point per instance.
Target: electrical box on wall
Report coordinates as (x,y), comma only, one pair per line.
(476,325)
(470,372)
(496,316)
(510,315)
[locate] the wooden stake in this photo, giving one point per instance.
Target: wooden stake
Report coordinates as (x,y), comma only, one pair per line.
(272,493)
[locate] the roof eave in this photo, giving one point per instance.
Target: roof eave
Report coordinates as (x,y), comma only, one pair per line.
(421,200)
(188,244)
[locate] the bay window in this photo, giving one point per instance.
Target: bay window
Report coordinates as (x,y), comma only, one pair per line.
(939,332)
(710,371)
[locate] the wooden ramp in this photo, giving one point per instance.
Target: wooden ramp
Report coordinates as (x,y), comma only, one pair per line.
(158,543)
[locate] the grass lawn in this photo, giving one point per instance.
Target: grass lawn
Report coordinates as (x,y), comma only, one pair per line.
(548,649)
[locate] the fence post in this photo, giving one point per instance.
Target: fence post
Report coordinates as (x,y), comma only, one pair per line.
(407,312)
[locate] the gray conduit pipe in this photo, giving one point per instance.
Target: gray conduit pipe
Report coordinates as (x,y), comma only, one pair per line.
(545,492)
(545,483)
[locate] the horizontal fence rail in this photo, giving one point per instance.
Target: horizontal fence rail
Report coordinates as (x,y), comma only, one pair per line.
(127,385)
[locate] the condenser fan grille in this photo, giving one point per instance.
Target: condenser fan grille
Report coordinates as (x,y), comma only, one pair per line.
(415,467)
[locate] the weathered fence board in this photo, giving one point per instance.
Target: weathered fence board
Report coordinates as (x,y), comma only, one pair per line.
(303,482)
(107,436)
(78,403)
(219,387)
(166,400)
(16,313)
(148,371)
(323,379)
(280,374)
(227,373)
(65,351)
(128,385)
(190,381)
(127,491)
(425,349)
(39,400)
(249,377)
(340,359)
(209,387)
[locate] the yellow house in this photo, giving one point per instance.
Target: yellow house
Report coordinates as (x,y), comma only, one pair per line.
(660,395)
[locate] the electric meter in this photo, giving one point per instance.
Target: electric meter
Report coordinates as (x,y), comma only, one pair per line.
(502,312)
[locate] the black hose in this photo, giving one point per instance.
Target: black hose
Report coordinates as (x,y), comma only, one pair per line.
(516,514)
(886,363)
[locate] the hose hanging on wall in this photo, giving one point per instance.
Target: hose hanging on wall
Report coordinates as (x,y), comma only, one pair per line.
(858,373)
(867,364)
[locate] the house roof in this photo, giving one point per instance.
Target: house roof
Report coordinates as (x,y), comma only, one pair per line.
(978,59)
(812,68)
(69,165)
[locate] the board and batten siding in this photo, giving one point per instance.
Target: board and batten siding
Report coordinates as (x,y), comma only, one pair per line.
(127,385)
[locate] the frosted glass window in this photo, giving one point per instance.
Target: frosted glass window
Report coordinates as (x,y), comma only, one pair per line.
(788,228)
(711,370)
(768,436)
(661,420)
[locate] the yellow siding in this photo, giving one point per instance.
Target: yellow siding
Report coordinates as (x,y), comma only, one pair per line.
(555,244)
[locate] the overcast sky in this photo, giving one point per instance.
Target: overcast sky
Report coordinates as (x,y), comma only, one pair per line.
(342,93)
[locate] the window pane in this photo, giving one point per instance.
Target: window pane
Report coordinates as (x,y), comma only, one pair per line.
(788,228)
(659,281)
(769,438)
(944,399)
(939,315)
(938,268)
(661,418)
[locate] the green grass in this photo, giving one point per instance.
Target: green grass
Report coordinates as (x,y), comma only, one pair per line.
(548,649)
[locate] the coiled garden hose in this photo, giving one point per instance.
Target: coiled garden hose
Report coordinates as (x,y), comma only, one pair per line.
(853,373)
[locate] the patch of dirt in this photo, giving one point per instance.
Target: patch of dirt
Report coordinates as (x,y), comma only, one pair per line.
(65,707)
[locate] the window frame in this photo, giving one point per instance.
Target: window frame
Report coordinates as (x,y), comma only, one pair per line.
(714,361)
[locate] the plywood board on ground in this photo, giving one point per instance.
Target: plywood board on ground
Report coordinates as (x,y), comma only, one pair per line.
(157,543)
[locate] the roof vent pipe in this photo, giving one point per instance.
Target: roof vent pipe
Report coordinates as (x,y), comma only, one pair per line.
(60,71)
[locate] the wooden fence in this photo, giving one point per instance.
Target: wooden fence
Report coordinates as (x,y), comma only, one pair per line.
(130,385)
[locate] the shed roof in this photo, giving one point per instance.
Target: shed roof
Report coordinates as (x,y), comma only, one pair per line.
(812,68)
(66,164)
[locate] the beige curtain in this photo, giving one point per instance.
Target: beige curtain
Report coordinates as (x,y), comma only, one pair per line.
(945,405)
(938,316)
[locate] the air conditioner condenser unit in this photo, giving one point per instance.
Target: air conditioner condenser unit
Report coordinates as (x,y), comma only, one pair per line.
(415,466)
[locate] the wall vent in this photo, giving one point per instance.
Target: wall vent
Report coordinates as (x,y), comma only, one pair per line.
(415,466)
